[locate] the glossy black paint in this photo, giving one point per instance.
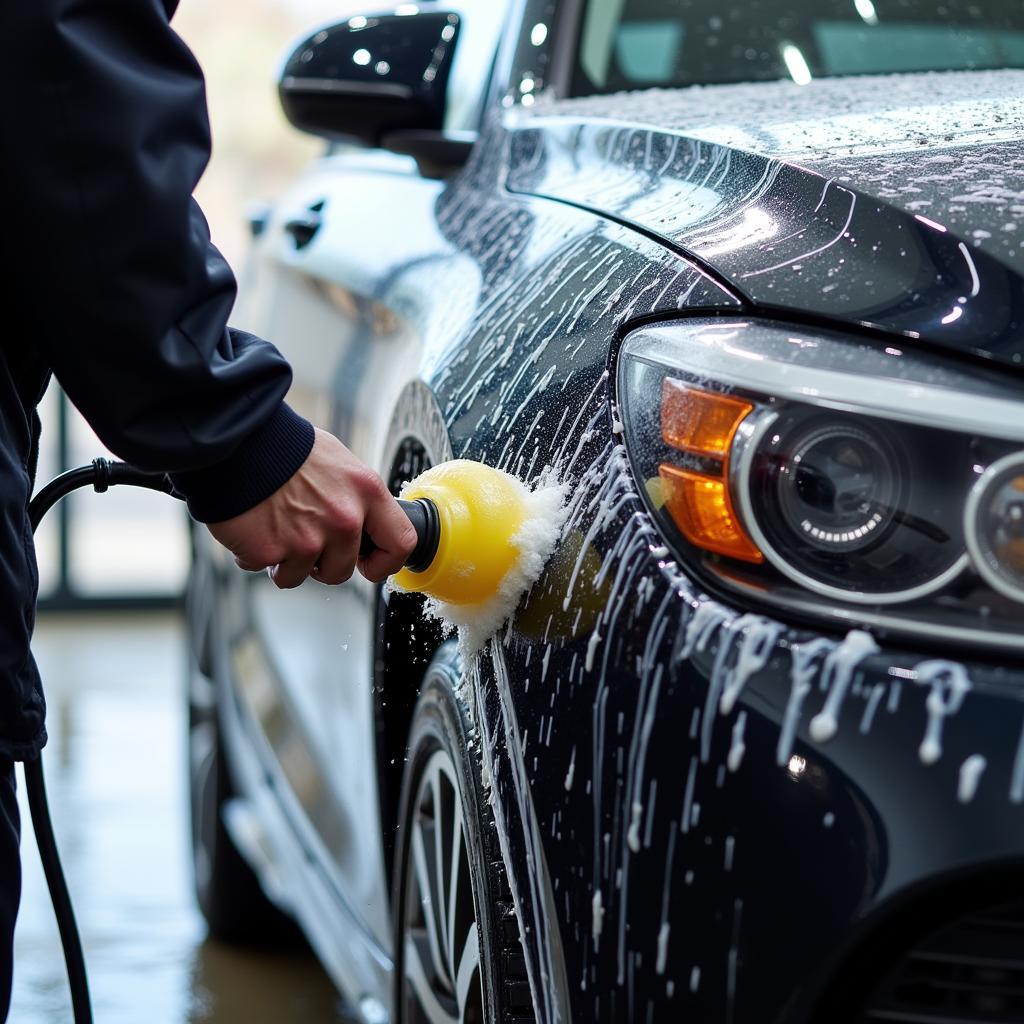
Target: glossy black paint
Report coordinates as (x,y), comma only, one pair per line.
(834,251)
(660,871)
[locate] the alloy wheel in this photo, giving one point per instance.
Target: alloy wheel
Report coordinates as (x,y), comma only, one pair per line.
(441,961)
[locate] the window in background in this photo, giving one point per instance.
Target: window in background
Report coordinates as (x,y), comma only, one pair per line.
(482,23)
(128,541)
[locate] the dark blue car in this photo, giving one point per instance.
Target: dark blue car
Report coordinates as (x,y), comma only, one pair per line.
(750,279)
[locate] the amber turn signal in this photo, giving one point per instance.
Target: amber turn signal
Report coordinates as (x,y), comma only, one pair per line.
(700,422)
(703,423)
(702,509)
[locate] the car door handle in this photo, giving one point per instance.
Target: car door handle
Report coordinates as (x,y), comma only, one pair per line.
(304,227)
(257,215)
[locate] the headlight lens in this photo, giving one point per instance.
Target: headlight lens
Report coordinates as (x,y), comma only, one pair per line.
(995,525)
(798,465)
(853,508)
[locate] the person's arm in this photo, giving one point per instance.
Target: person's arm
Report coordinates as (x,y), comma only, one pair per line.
(104,136)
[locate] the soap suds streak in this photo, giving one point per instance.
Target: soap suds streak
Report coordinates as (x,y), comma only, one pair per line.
(738,747)
(877,692)
(663,934)
(839,667)
(970,775)
(1017,775)
(949,685)
(691,780)
(759,641)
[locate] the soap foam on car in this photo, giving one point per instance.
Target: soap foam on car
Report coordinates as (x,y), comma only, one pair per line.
(497,536)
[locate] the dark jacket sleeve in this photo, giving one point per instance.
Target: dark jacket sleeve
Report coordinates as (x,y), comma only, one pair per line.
(103,137)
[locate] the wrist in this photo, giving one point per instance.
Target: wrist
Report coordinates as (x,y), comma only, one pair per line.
(261,464)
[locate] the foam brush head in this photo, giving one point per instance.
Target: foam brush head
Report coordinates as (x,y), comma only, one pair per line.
(481,510)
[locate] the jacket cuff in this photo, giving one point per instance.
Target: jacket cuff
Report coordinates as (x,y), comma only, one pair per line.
(262,463)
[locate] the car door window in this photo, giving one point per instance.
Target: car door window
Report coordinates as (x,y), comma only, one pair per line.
(630,44)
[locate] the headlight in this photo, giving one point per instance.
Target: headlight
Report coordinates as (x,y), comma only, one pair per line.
(831,476)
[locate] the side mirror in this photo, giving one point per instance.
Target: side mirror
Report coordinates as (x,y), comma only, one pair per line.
(374,79)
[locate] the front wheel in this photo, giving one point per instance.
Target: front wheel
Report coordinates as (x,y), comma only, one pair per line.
(459,956)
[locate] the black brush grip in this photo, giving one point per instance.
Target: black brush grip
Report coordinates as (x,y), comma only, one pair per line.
(423,515)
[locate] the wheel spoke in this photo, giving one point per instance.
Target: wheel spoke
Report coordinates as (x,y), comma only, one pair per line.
(420,984)
(201,747)
(453,876)
(202,694)
(469,964)
(440,830)
(424,878)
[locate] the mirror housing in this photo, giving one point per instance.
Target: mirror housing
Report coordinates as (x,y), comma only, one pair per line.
(372,77)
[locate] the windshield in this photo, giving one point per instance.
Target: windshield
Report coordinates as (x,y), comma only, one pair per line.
(635,44)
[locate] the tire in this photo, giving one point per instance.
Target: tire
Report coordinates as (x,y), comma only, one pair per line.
(458,960)
(228,893)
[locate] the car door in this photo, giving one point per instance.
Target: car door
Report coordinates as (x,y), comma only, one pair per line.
(348,263)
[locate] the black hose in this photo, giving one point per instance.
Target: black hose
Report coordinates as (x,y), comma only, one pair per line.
(78,981)
(101,475)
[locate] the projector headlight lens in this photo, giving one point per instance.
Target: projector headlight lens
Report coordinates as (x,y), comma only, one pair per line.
(994,521)
(838,492)
(799,465)
(852,508)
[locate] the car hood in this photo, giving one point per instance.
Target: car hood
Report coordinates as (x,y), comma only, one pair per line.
(895,202)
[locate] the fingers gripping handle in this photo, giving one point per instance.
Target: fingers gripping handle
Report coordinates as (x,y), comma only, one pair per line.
(423,515)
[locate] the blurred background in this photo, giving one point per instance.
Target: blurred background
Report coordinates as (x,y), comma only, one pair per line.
(110,644)
(240,44)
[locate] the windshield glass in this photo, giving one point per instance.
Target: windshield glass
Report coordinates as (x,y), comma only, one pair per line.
(635,44)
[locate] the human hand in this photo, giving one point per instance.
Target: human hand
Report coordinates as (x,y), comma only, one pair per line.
(313,524)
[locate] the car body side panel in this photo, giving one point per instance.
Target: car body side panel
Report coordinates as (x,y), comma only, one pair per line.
(534,374)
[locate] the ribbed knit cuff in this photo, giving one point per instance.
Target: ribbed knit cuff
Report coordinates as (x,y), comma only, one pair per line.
(261,464)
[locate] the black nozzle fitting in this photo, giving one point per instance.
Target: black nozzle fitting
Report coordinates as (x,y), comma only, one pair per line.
(426,521)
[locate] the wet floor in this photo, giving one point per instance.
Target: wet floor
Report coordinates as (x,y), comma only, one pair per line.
(116,774)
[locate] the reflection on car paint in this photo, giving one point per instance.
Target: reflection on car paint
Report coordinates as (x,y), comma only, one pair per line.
(832,209)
